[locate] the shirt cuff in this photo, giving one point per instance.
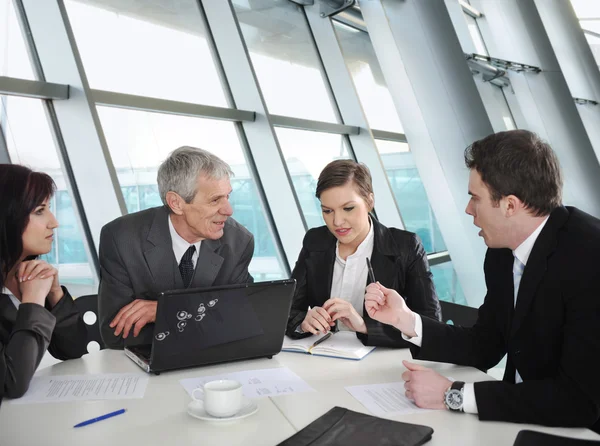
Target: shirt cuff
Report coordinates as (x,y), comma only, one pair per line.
(299,329)
(418,339)
(469,401)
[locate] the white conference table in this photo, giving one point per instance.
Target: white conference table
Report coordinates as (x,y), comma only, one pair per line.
(161,418)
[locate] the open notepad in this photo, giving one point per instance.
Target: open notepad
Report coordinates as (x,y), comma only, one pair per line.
(343,344)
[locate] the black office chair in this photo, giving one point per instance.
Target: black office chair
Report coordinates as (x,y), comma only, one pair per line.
(455,314)
(87,304)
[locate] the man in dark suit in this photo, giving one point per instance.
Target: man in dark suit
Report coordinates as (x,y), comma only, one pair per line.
(191,241)
(542,306)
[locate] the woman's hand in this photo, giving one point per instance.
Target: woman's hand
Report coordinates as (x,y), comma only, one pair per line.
(39,269)
(340,309)
(317,320)
(36,290)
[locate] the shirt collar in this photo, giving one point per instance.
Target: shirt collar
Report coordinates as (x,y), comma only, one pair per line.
(524,249)
(180,245)
(364,246)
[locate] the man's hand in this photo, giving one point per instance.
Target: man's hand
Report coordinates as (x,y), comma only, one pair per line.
(343,310)
(137,314)
(424,386)
(387,306)
(317,320)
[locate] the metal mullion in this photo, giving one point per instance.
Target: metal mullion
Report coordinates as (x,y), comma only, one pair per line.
(350,109)
(314,126)
(266,157)
(32,89)
(389,136)
(149,104)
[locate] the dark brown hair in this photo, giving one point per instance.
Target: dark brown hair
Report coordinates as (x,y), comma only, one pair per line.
(340,172)
(519,163)
(21,191)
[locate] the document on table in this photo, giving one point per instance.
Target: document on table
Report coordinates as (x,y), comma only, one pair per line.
(114,386)
(384,400)
(256,383)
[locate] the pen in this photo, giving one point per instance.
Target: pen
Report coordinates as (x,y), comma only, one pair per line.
(370,268)
(324,338)
(100,418)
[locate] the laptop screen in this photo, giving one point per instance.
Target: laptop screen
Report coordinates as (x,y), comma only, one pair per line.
(210,325)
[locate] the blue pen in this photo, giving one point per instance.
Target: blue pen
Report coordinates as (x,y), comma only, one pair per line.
(100,418)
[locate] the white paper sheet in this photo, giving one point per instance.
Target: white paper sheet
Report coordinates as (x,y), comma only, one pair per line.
(114,386)
(384,400)
(257,383)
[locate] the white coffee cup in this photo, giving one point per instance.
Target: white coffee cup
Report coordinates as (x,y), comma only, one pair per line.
(221,398)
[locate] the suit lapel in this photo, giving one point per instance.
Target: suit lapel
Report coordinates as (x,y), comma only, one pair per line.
(159,253)
(382,257)
(536,266)
(208,264)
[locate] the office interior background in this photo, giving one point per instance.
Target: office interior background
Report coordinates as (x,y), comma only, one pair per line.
(97,92)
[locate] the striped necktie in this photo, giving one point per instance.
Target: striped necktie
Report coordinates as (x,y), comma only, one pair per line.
(186,266)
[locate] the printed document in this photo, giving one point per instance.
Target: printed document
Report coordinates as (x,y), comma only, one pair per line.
(256,383)
(384,400)
(114,386)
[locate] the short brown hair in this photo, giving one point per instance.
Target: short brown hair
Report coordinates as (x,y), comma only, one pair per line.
(340,172)
(519,163)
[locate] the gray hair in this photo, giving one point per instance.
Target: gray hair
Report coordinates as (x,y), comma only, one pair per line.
(180,171)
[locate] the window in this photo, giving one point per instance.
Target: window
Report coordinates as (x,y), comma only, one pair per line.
(372,90)
(285,59)
(306,154)
(447,285)
(30,142)
(140,141)
(156,49)
(14,61)
(410,194)
(589,19)
(476,35)
(495,105)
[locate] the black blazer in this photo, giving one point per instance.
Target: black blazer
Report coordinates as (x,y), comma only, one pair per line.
(552,336)
(399,261)
(26,333)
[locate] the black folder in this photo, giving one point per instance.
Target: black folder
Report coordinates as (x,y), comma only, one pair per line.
(343,427)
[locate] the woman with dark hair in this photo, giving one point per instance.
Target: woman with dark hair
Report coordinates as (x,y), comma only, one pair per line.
(331,271)
(36,313)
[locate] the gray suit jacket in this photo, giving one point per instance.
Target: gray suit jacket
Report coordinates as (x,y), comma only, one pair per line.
(136,259)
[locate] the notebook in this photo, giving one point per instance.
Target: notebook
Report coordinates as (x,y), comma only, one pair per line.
(343,427)
(342,344)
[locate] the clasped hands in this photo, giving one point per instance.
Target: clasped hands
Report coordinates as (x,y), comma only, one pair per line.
(424,386)
(38,281)
(321,319)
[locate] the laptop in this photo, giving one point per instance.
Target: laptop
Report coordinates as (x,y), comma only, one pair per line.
(202,326)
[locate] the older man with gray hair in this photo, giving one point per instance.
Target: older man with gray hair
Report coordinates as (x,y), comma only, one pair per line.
(191,241)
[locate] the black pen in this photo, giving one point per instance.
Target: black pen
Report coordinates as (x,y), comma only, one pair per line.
(370,268)
(324,338)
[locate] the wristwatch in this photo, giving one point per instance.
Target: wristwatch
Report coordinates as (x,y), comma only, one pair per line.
(453,397)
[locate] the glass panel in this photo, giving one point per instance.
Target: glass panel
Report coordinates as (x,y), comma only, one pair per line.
(30,142)
(586,8)
(476,35)
(368,78)
(14,59)
(446,284)
(285,59)
(410,194)
(306,154)
(140,141)
(496,105)
(156,49)
(593,41)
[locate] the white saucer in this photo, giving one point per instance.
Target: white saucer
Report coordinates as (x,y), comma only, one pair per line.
(196,409)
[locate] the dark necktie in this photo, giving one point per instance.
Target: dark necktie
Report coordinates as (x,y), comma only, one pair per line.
(186,266)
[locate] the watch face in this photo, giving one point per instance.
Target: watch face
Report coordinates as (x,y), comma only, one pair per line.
(454,399)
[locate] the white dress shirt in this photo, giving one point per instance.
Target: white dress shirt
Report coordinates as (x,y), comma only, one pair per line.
(180,246)
(350,275)
(522,253)
(16,302)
